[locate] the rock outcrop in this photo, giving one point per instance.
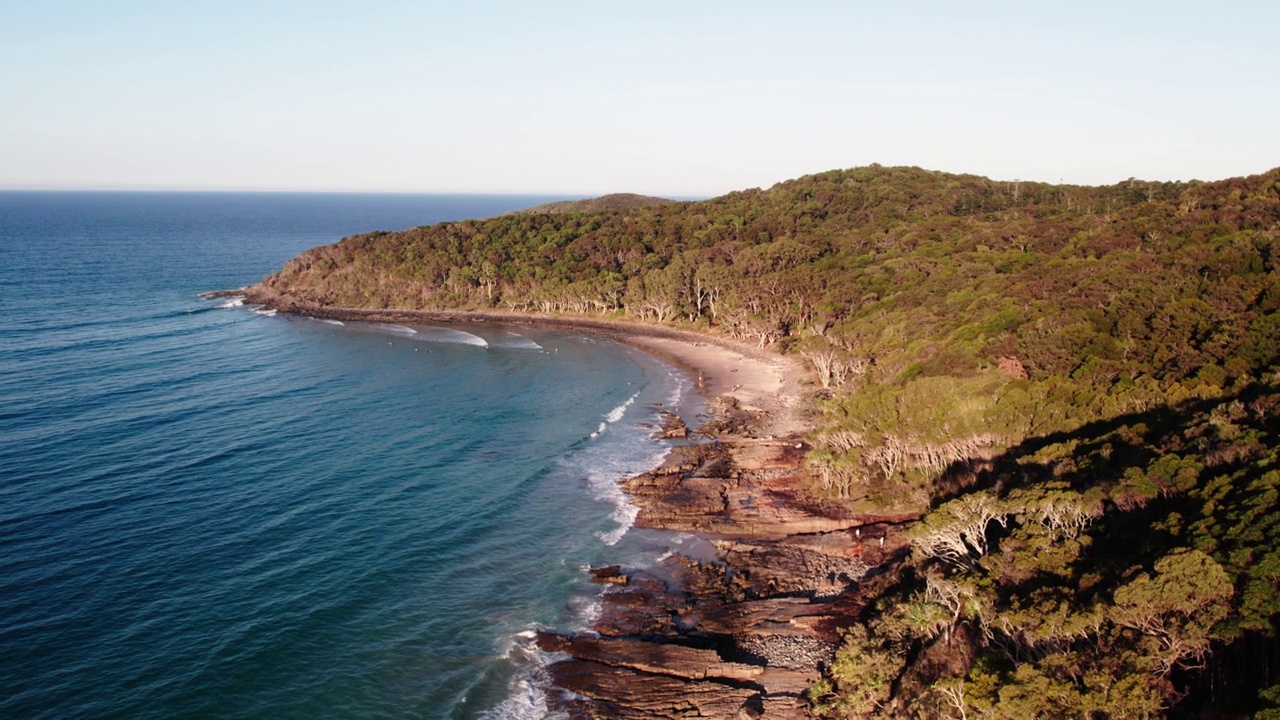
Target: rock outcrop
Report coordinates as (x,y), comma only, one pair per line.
(743,636)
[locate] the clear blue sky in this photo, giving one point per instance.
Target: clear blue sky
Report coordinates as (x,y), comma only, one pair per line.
(680,98)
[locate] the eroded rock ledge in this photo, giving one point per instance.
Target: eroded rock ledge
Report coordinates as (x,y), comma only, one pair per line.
(741,637)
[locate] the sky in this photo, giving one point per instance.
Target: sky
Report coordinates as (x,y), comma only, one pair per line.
(669,98)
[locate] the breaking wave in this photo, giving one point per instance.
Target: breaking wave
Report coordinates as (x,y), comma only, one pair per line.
(450,335)
(514,341)
(527,692)
(615,414)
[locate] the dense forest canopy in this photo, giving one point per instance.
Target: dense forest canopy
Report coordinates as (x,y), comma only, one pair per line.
(1076,387)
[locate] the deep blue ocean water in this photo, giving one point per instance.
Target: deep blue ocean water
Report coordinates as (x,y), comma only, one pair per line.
(210,512)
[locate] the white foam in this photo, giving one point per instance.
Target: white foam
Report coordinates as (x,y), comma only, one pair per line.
(520,643)
(269,312)
(605,483)
(586,611)
(527,695)
(516,341)
(677,391)
(528,701)
(233,302)
(625,515)
(331,322)
(527,690)
(397,329)
(614,456)
(615,414)
(450,335)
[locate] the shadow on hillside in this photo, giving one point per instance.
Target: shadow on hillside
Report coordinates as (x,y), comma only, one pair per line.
(1203,474)
(1108,446)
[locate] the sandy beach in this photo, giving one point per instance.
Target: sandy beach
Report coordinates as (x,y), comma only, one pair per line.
(759,382)
(721,370)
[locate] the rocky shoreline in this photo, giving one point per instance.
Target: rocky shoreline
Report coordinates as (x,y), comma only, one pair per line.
(744,635)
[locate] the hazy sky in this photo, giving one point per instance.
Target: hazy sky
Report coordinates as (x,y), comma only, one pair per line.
(680,98)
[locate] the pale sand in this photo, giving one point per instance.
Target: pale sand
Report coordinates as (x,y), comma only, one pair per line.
(758,380)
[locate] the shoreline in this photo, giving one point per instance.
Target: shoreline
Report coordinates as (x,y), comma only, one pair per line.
(761,381)
(745,634)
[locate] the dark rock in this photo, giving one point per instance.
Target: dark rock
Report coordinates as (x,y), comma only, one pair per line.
(742,636)
(608,575)
(626,694)
(672,426)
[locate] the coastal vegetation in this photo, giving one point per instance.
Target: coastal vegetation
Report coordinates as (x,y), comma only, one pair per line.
(1075,388)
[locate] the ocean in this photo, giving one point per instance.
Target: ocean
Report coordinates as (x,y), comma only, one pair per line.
(207,511)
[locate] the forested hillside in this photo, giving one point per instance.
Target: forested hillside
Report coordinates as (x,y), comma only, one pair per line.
(1077,387)
(604,203)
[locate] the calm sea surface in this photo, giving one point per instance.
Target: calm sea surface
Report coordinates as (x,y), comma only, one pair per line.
(210,512)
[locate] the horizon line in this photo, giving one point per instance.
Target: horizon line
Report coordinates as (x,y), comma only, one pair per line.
(269,191)
(580,194)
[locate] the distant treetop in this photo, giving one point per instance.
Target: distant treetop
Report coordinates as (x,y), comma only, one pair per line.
(614,202)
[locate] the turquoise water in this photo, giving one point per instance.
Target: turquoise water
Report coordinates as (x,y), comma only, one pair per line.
(210,512)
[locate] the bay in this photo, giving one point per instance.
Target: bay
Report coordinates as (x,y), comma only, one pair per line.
(209,512)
